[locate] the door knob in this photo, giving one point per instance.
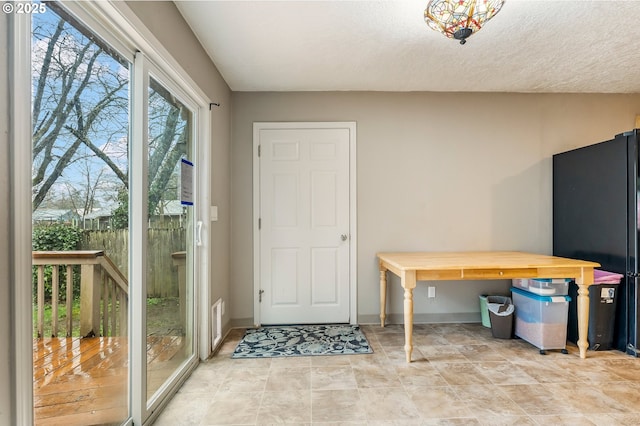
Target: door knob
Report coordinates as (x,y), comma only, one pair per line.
(343,237)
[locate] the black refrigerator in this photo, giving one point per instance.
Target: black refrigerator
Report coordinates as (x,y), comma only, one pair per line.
(596,217)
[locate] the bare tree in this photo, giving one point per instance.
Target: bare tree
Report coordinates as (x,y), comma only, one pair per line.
(169,127)
(81,112)
(76,89)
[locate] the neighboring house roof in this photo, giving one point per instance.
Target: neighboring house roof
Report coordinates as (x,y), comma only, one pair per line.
(53,215)
(98,214)
(104,212)
(169,208)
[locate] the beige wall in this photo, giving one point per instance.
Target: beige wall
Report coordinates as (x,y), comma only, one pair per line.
(435,171)
(6,388)
(166,23)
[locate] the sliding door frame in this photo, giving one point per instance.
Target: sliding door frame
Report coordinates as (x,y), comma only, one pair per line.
(20,131)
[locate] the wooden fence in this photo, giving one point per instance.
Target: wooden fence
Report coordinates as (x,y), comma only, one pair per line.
(162,274)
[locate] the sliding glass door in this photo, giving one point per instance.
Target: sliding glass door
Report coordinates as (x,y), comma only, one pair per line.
(170,242)
(163,200)
(114,193)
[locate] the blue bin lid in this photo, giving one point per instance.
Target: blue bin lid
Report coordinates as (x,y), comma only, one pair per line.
(551,299)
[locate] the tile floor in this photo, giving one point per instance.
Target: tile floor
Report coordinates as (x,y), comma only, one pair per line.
(460,375)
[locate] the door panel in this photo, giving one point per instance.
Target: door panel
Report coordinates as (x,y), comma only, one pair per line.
(304,210)
(323,200)
(284,272)
(169,297)
(285,201)
(324,277)
(80,230)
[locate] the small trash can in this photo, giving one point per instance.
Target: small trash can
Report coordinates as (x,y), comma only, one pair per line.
(484,311)
(501,316)
(602,310)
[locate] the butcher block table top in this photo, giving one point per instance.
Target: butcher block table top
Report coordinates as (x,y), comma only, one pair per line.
(483,265)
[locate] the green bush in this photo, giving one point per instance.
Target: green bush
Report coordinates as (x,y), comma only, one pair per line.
(56,237)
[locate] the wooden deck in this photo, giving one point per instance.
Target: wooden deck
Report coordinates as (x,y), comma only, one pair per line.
(84,381)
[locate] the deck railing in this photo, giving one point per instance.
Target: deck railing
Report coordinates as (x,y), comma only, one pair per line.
(103,292)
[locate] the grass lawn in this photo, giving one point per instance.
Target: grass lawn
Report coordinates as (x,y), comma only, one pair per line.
(163,317)
(62,319)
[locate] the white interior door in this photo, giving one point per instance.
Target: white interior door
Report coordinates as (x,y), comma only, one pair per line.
(304,231)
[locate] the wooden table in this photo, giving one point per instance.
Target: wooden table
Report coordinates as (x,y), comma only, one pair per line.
(413,267)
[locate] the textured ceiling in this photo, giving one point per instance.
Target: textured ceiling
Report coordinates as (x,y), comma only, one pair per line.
(530,46)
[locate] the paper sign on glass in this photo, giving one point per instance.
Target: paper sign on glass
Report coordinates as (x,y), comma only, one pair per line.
(186,183)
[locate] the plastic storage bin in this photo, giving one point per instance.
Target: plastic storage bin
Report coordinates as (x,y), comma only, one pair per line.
(541,320)
(543,286)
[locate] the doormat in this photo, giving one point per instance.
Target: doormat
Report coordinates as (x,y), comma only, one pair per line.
(302,340)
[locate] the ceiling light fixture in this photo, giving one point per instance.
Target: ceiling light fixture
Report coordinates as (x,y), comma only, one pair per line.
(459,19)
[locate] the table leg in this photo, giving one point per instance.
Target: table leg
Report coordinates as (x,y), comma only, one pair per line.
(408,281)
(583,319)
(383,296)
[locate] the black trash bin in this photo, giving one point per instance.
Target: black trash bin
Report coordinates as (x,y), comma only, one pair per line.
(603,297)
(501,316)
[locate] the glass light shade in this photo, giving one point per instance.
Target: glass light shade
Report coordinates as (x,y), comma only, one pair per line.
(460,19)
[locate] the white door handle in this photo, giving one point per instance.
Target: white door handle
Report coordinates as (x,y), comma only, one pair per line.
(199,233)
(343,237)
